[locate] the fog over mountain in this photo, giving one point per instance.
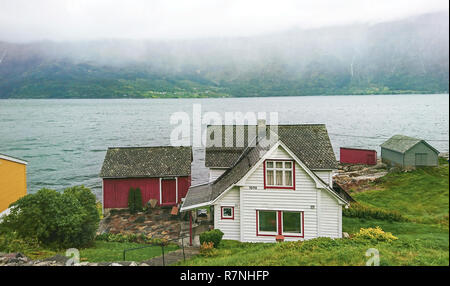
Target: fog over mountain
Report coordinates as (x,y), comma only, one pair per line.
(409,55)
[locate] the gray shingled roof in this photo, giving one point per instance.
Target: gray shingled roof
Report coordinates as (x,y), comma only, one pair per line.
(207,192)
(248,158)
(134,162)
(402,143)
(309,142)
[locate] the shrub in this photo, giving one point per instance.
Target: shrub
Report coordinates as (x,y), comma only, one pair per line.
(360,211)
(138,200)
(214,236)
(134,200)
(374,234)
(90,210)
(207,249)
(131,237)
(131,199)
(56,220)
(11,242)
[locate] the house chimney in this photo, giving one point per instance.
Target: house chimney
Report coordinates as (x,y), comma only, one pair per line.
(261,123)
(261,129)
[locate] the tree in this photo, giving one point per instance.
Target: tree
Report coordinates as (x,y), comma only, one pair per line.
(57,220)
(138,200)
(134,200)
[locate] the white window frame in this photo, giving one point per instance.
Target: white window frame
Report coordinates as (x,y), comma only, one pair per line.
(283,169)
(223,216)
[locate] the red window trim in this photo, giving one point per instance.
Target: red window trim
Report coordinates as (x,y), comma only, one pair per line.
(280,225)
(221,213)
(278,187)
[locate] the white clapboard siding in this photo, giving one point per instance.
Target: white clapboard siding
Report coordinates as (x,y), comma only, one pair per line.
(215,173)
(330,216)
(322,212)
(230,228)
(280,153)
(325,175)
(301,199)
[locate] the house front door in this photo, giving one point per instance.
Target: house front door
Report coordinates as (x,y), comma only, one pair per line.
(168,192)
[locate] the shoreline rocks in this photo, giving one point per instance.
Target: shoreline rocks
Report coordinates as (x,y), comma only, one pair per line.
(18,259)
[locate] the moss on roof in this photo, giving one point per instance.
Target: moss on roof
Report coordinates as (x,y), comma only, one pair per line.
(402,143)
(132,162)
(309,142)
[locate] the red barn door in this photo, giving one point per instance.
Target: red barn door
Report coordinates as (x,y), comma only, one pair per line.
(168,192)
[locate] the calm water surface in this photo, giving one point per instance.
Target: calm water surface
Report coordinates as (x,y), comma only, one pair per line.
(65,140)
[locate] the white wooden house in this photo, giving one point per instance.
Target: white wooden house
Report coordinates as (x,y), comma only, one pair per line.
(274,186)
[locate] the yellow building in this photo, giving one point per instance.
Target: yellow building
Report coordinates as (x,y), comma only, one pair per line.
(13,180)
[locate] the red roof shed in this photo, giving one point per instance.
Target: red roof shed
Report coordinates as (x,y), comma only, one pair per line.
(358,156)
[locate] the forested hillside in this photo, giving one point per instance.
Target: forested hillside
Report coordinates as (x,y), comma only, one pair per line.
(405,56)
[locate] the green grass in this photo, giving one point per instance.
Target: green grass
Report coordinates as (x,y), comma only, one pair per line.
(420,195)
(113,251)
(418,244)
(102,251)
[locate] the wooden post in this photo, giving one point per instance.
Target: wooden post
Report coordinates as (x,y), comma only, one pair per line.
(190,228)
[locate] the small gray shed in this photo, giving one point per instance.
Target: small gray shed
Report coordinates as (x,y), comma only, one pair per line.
(405,151)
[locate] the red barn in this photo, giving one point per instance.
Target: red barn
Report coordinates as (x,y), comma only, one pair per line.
(358,156)
(162,173)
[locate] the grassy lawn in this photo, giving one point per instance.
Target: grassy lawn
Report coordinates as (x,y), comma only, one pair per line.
(420,195)
(113,251)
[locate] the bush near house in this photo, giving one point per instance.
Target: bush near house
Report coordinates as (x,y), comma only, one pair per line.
(134,200)
(207,249)
(214,236)
(54,220)
(374,234)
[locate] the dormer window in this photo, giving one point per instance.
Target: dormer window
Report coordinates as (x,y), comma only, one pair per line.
(279,174)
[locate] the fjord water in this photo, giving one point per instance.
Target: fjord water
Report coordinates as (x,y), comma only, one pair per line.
(65,140)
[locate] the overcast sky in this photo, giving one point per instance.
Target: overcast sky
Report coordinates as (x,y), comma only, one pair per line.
(31,20)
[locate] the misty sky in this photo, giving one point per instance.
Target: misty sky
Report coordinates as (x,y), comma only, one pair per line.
(33,20)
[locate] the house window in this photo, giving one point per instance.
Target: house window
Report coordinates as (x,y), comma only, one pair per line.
(273,222)
(267,222)
(279,174)
(292,223)
(227,212)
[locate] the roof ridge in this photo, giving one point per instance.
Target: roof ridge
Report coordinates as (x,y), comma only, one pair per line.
(137,147)
(289,124)
(13,159)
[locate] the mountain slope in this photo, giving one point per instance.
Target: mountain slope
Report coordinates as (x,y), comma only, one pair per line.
(405,56)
